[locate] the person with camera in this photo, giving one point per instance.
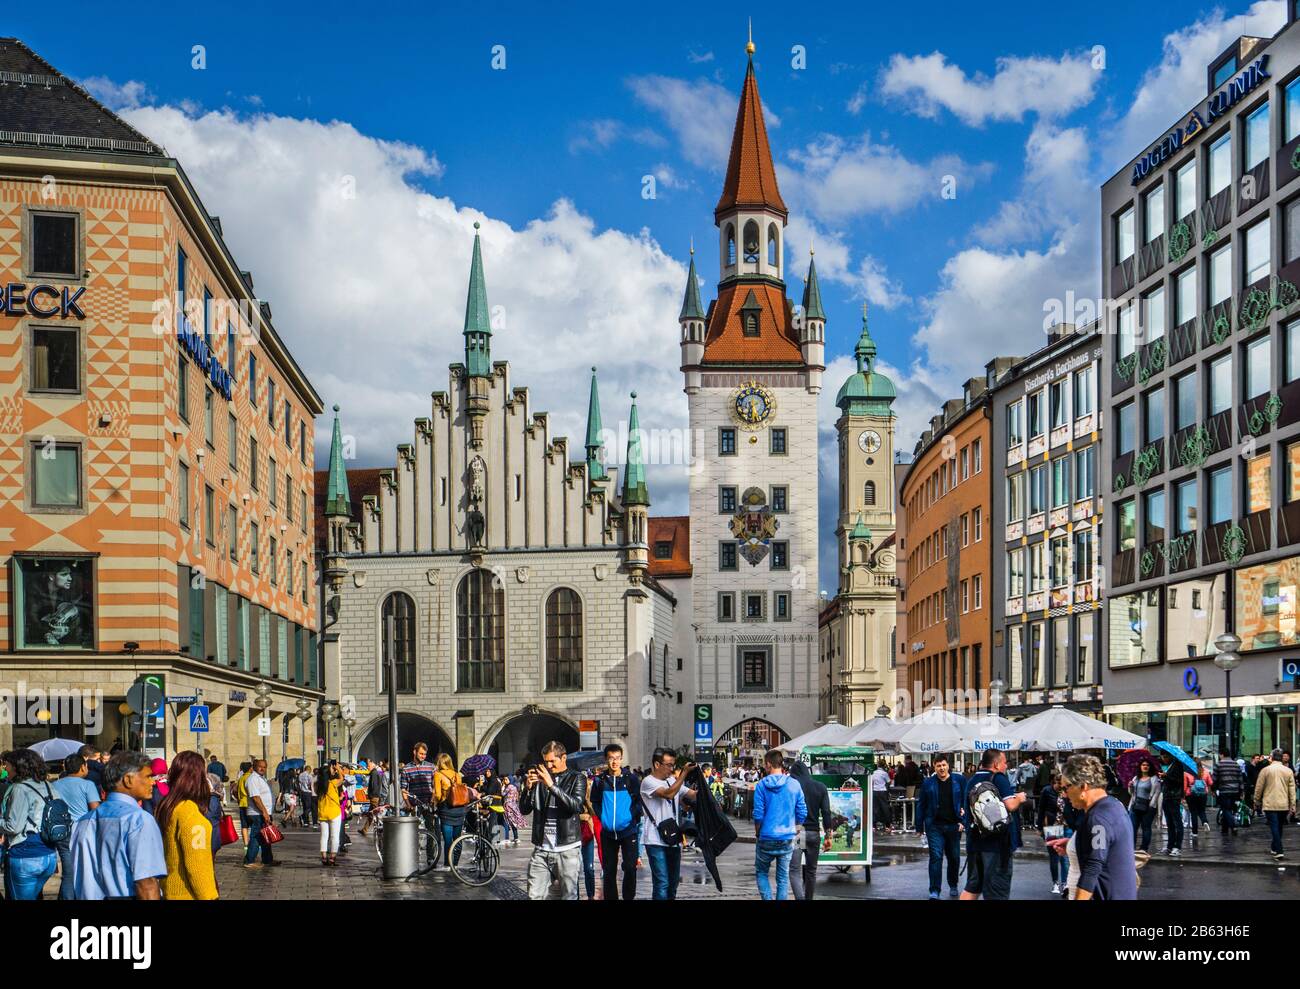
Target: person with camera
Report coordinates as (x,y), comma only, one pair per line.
(555,795)
(661,795)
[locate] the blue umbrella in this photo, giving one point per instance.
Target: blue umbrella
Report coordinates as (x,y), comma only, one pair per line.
(1173,750)
(286,764)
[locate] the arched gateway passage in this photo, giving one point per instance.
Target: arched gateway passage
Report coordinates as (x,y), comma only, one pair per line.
(521,738)
(411,728)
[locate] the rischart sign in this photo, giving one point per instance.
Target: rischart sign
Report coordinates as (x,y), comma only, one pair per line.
(1215,107)
(41,301)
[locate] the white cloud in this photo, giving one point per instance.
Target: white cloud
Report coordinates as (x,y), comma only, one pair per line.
(123,96)
(1055,187)
(838,179)
(369,292)
(865,277)
(598,135)
(1174,85)
(702,115)
(696,58)
(1048,87)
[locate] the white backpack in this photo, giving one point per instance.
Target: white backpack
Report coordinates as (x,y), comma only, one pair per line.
(989,816)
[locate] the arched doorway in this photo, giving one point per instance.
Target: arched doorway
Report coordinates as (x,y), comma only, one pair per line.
(750,739)
(411,728)
(520,739)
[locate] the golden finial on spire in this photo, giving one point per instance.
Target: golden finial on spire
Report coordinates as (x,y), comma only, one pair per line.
(749,47)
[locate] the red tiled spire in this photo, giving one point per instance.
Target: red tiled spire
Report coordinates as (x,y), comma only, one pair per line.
(751,179)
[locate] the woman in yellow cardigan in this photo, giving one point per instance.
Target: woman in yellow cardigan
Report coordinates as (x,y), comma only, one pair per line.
(186,833)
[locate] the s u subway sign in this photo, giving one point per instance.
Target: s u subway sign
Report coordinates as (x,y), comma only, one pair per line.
(41,301)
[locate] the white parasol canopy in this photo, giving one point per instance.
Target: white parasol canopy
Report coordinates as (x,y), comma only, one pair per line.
(941,730)
(877,732)
(831,733)
(1059,729)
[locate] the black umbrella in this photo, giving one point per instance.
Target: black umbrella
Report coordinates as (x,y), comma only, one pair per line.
(715,833)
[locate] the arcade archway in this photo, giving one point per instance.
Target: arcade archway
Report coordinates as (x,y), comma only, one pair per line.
(750,739)
(411,728)
(520,739)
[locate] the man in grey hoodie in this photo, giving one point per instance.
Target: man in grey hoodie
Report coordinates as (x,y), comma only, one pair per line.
(803,864)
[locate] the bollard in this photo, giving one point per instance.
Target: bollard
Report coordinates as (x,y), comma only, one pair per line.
(401,846)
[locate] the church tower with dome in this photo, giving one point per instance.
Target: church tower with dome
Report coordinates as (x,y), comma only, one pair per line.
(857,628)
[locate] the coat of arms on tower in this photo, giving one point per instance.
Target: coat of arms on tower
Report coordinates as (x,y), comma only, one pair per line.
(754,526)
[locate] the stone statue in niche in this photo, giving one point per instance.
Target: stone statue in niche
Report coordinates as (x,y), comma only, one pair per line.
(477,472)
(475,520)
(475,527)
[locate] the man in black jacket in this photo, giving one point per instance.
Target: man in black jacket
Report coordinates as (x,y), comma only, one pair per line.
(554,794)
(803,877)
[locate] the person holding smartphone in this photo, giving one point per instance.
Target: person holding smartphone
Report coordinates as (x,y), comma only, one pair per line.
(661,794)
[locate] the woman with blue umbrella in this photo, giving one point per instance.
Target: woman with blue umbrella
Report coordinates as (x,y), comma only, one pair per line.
(1174,787)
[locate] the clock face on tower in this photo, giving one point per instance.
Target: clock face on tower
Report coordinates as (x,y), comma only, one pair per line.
(752,406)
(869,441)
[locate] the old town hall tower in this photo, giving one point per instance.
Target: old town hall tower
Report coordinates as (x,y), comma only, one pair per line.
(753,366)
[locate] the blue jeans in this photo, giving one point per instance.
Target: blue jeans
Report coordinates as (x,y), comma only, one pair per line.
(767,851)
(255,843)
(944,841)
(665,870)
(589,867)
(26,875)
(65,870)
(1276,819)
(1142,821)
(1059,866)
(450,832)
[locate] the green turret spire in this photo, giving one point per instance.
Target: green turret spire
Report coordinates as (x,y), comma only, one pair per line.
(812,294)
(478,325)
(691,308)
(634,487)
(860,531)
(337,499)
(595,469)
(865,351)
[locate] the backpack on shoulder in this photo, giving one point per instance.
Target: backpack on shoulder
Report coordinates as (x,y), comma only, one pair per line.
(989,817)
(56,819)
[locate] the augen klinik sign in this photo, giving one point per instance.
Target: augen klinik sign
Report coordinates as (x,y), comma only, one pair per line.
(1215,107)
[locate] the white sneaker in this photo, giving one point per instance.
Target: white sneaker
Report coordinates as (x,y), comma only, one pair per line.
(1056,889)
(1175,852)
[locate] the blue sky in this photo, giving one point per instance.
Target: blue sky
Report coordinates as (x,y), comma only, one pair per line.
(550,153)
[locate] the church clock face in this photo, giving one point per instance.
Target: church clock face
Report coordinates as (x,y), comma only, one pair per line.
(752,406)
(868,441)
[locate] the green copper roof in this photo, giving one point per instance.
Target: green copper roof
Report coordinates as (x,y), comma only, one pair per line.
(635,491)
(337,499)
(478,323)
(595,469)
(691,308)
(860,531)
(867,391)
(812,294)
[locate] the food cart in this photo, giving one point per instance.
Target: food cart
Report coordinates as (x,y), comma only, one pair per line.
(846,771)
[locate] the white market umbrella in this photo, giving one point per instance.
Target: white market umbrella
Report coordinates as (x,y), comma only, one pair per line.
(1059,729)
(876,732)
(831,733)
(940,730)
(55,749)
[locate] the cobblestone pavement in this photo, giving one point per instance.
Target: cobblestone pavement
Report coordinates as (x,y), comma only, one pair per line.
(898,874)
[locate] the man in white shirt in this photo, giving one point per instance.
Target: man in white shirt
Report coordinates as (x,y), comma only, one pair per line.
(880,798)
(260,803)
(661,792)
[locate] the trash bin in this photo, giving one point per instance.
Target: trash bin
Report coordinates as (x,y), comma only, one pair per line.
(401,846)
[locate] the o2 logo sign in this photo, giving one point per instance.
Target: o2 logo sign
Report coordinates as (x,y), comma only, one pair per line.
(1191,681)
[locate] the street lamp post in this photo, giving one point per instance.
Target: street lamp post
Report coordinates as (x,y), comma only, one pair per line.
(262,700)
(996,686)
(1228,660)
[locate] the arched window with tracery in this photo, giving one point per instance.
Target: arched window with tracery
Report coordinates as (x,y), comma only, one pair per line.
(397,633)
(564,640)
(480,632)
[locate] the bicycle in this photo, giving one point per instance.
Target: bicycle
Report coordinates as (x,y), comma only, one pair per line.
(428,841)
(473,857)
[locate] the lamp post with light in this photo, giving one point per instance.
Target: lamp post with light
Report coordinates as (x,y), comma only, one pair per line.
(1228,660)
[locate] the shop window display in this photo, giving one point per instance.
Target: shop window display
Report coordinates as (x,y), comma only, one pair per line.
(54,603)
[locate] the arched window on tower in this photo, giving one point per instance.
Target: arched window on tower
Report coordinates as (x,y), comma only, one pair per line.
(751,324)
(564,640)
(869,493)
(480,632)
(773,247)
(399,616)
(751,242)
(731,245)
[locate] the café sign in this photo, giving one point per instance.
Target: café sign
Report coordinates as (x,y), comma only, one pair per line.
(1216,106)
(41,301)
(193,344)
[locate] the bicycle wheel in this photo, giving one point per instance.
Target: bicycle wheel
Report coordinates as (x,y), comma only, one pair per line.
(378,832)
(473,860)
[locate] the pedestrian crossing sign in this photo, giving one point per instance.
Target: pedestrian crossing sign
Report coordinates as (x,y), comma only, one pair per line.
(198,717)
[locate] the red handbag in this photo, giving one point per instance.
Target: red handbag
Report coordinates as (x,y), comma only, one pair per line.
(229,834)
(270,835)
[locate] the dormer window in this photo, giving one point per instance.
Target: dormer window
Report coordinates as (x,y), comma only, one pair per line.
(663,551)
(751,324)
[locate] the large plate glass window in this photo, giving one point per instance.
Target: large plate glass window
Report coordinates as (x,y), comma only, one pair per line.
(1257,137)
(54,602)
(1220,164)
(1266,604)
(1134,629)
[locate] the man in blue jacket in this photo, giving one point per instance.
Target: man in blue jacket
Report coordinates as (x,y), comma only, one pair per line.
(940,816)
(779,808)
(615,796)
